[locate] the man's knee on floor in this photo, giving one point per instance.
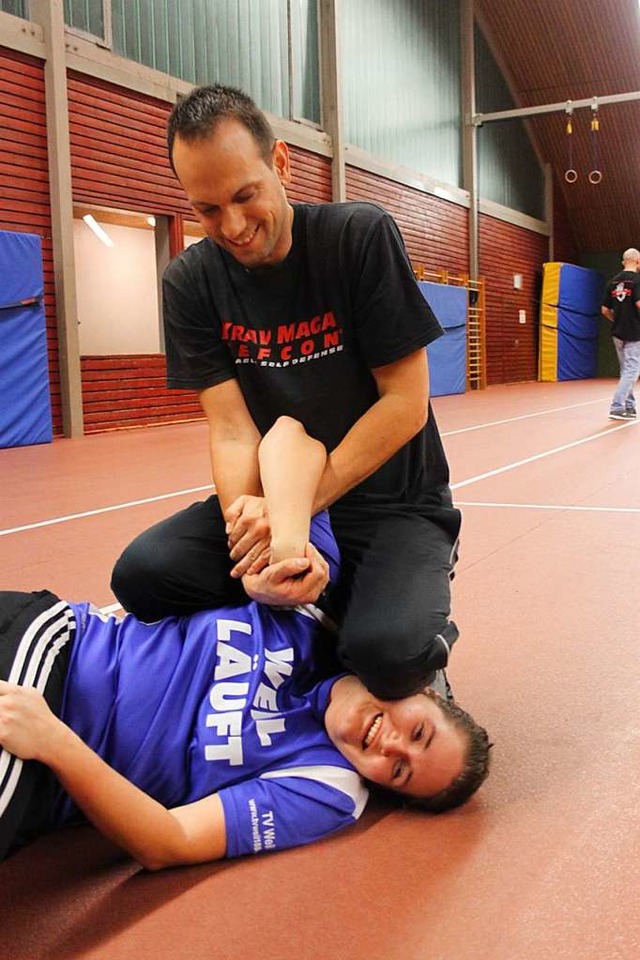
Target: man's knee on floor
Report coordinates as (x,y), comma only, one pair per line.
(400,661)
(139,569)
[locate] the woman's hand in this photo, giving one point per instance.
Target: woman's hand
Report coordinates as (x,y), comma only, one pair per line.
(289,582)
(27,725)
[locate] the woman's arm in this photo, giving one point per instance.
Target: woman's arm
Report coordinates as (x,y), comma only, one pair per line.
(291,465)
(151,834)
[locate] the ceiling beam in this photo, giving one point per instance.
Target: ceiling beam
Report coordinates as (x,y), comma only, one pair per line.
(567,107)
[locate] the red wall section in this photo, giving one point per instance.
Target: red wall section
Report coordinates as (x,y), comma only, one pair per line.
(435,232)
(310,177)
(512,347)
(130,391)
(24,181)
(118,149)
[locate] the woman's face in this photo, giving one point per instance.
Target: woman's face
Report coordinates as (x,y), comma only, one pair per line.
(407,745)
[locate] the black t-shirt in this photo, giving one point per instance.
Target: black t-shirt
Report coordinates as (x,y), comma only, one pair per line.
(622,294)
(302,336)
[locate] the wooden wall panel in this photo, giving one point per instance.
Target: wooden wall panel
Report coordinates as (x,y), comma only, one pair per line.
(435,232)
(310,177)
(130,391)
(118,149)
(505,250)
(24,182)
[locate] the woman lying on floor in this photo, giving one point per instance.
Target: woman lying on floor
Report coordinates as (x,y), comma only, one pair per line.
(217,734)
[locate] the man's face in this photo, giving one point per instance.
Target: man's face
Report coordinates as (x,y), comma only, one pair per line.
(406,745)
(237,197)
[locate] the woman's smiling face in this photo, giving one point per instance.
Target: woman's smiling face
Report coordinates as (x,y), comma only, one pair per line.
(406,745)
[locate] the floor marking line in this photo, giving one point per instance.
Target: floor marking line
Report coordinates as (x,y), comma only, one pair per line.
(524,416)
(540,456)
(450,433)
(93,513)
(546,506)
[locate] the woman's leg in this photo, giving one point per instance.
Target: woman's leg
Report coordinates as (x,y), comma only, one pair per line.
(179,566)
(396,631)
(36,634)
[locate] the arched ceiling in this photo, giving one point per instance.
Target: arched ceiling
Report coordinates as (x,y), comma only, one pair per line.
(552,51)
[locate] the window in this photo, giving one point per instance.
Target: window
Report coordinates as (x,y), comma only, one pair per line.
(87,16)
(268,48)
(16,7)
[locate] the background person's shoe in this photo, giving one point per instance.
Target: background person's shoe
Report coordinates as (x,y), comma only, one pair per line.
(622,415)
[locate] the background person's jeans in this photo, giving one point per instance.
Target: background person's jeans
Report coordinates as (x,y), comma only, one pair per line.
(629,359)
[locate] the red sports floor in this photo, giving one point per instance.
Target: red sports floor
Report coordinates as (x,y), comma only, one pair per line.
(543,863)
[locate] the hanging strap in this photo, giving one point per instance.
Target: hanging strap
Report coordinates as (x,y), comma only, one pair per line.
(595,174)
(570,174)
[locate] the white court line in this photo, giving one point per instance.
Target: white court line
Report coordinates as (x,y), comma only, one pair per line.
(540,456)
(547,506)
(94,513)
(179,493)
(524,416)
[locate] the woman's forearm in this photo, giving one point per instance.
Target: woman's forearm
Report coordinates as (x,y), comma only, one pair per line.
(291,464)
(151,834)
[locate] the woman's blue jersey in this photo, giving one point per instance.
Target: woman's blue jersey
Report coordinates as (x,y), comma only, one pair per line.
(229,701)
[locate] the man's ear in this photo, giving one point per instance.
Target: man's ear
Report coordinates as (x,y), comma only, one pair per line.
(281,161)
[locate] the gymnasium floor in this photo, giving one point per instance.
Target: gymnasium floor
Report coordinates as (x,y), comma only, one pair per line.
(543,863)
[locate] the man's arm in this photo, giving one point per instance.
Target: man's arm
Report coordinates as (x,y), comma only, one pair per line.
(607,313)
(399,413)
(155,836)
(233,441)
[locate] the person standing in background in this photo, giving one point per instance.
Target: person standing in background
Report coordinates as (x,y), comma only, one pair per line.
(621,307)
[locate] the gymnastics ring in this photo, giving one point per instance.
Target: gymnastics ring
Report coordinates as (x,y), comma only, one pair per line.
(595,176)
(571,175)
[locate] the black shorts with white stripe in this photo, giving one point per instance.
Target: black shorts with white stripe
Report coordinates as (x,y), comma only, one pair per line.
(36,636)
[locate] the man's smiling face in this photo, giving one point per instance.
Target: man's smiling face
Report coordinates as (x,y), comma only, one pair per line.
(238,194)
(406,745)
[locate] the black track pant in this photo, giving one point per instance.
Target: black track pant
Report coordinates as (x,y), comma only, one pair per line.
(393,599)
(36,634)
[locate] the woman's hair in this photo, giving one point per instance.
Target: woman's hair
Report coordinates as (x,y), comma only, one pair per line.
(195,117)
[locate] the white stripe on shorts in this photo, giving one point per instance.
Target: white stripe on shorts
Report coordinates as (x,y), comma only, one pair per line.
(32,668)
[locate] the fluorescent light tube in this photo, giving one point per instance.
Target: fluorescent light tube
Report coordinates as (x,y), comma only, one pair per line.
(97,229)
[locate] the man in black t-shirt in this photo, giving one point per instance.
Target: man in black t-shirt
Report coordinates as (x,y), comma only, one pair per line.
(621,306)
(310,311)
